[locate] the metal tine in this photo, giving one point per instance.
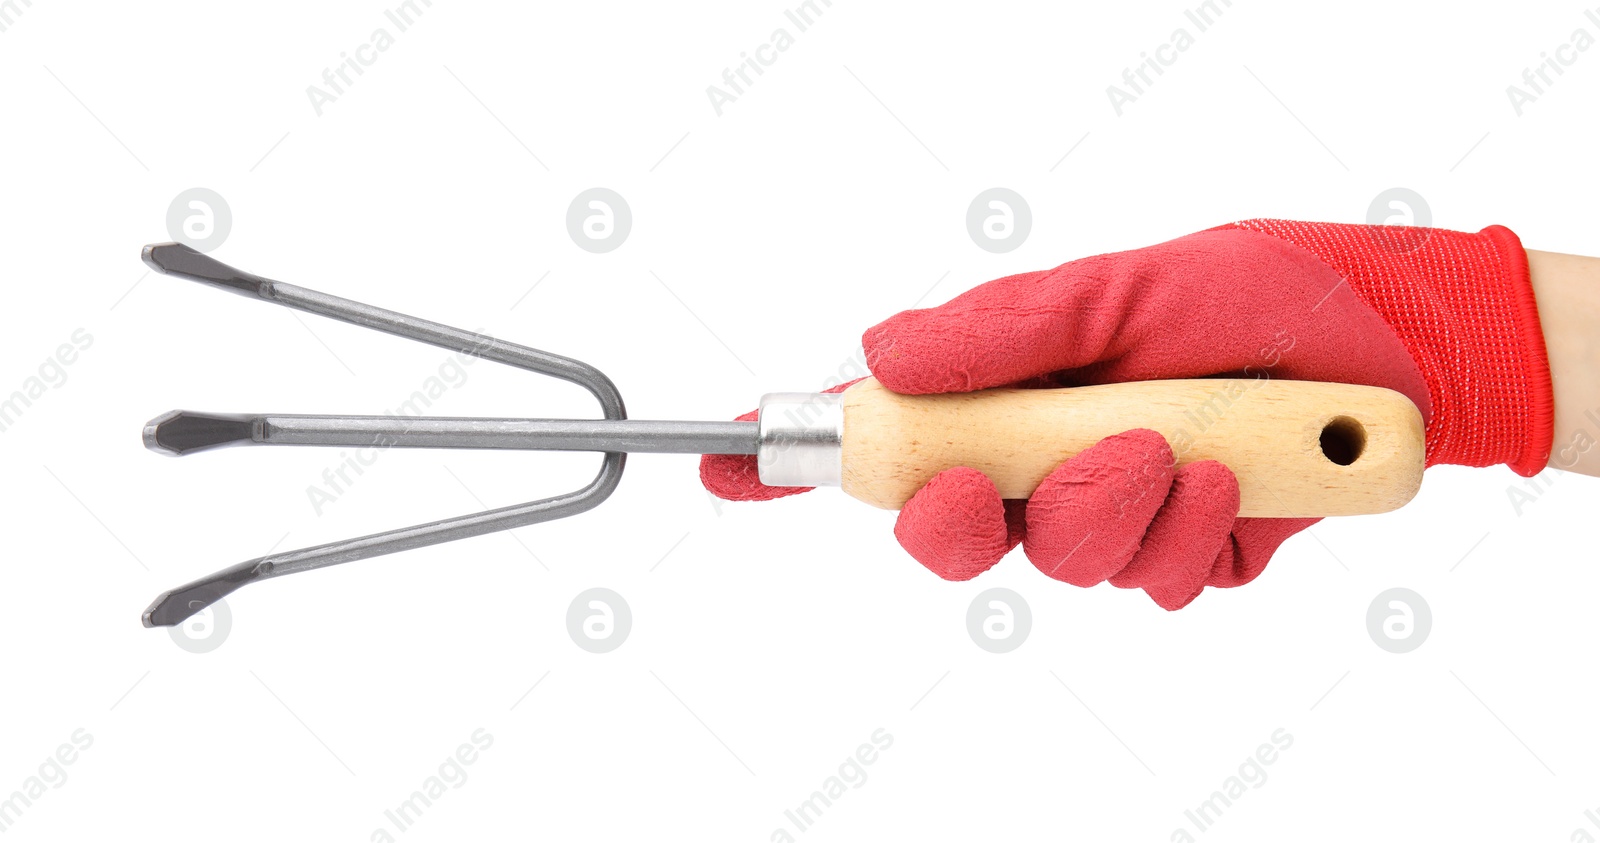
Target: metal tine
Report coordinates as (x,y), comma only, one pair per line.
(173,607)
(183,432)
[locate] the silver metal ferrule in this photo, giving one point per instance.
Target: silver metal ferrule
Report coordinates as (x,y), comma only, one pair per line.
(800,439)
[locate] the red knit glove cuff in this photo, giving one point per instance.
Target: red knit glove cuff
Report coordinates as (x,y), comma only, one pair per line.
(1463,306)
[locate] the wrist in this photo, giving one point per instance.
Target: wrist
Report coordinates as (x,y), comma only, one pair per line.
(1567,289)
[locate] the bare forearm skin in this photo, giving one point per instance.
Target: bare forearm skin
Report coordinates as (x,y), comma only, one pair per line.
(1567,289)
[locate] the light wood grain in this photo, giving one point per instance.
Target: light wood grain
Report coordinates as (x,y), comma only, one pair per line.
(1268,431)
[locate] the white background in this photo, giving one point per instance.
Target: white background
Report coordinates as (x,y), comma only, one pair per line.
(768,640)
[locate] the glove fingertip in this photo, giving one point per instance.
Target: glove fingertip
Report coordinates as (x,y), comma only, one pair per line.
(955,525)
(913,358)
(1180,549)
(1086,519)
(735,477)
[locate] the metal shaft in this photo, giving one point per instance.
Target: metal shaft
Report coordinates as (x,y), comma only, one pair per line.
(182,432)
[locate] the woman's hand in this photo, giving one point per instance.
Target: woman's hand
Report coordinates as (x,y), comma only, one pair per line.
(1444,317)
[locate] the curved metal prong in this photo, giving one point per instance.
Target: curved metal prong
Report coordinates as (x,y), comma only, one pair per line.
(172,607)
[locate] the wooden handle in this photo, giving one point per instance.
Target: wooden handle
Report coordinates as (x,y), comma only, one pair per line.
(1299,449)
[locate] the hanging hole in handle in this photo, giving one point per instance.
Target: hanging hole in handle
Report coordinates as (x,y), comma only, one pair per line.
(1343,439)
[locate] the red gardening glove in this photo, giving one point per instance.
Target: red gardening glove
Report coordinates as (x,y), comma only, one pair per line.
(1444,317)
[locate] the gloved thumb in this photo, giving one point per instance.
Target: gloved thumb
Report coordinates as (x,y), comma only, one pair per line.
(1004,332)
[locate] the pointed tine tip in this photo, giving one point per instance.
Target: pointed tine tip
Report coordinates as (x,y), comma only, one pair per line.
(165,611)
(185,262)
(161,257)
(178,605)
(156,615)
(170,609)
(183,432)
